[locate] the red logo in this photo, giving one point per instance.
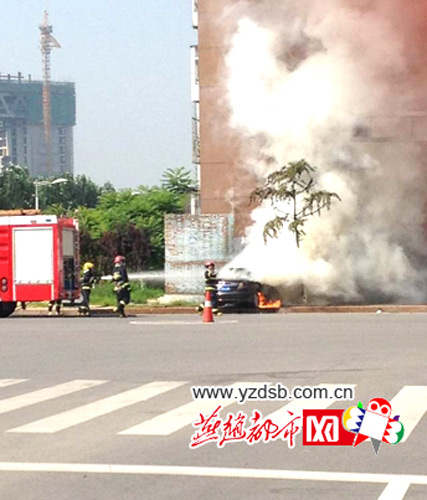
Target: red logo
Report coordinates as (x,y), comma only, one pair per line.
(324,428)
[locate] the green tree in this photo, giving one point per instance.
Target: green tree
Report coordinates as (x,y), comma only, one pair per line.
(16,188)
(179,181)
(77,191)
(126,240)
(293,186)
(144,209)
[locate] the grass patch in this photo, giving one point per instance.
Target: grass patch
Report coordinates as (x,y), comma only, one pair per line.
(103,294)
(183,303)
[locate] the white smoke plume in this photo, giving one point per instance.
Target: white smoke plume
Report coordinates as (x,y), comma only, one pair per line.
(339,83)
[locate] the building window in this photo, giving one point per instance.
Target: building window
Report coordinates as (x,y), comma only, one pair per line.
(61,131)
(62,159)
(62,149)
(62,140)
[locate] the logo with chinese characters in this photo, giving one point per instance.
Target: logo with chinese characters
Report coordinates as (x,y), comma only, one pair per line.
(327,427)
(212,428)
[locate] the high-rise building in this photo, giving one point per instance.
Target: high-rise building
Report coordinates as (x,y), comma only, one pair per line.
(224,183)
(22,134)
(341,86)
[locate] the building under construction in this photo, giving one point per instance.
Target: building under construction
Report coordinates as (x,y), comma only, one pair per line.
(22,131)
(36,117)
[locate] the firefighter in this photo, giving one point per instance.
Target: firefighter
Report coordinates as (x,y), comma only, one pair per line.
(211,282)
(57,303)
(121,284)
(87,284)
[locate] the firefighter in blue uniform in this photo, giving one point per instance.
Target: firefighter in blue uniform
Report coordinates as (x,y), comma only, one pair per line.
(121,284)
(87,284)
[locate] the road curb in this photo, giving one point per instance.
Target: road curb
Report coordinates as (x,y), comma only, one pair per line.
(378,308)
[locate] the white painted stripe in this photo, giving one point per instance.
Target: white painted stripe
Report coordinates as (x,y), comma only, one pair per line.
(395,490)
(4,382)
(297,405)
(174,420)
(411,404)
(171,470)
(56,391)
(176,322)
(96,409)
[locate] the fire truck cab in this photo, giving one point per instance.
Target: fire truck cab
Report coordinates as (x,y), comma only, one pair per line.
(39,260)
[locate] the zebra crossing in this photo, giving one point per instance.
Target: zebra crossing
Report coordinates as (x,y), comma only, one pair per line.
(410,402)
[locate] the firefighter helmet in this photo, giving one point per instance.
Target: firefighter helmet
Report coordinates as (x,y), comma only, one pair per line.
(87,265)
(209,263)
(118,259)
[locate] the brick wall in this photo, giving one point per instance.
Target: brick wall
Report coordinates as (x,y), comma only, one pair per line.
(191,240)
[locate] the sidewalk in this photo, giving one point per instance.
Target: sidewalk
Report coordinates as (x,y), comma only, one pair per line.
(139,310)
(107,311)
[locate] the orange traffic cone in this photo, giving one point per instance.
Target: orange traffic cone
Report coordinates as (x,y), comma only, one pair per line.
(207,311)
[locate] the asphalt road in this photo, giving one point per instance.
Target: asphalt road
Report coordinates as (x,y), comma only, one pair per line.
(101,408)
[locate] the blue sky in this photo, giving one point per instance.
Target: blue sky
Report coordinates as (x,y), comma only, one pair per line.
(130,61)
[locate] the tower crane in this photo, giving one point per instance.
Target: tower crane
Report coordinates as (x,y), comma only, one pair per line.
(47,43)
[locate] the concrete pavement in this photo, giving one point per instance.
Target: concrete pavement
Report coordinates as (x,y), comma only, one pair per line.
(103,409)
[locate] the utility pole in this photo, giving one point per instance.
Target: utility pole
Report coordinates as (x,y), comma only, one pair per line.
(47,43)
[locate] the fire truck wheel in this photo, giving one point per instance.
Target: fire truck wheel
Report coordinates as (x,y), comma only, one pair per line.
(6,309)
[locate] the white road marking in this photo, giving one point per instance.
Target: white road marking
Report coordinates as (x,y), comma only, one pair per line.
(411,404)
(172,470)
(4,382)
(56,391)
(395,490)
(177,322)
(174,420)
(297,405)
(96,409)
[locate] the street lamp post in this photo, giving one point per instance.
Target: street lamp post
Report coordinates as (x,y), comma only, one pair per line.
(45,183)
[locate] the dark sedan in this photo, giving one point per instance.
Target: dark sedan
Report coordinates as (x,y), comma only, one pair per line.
(243,294)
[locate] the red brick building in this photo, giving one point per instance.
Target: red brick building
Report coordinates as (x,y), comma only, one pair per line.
(224,183)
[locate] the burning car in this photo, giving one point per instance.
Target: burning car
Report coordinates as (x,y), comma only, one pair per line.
(242,293)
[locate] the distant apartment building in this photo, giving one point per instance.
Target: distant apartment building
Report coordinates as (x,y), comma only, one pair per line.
(22,135)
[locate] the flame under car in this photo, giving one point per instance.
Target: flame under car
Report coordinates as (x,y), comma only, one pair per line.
(241,294)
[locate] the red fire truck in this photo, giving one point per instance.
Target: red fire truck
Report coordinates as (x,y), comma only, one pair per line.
(39,259)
